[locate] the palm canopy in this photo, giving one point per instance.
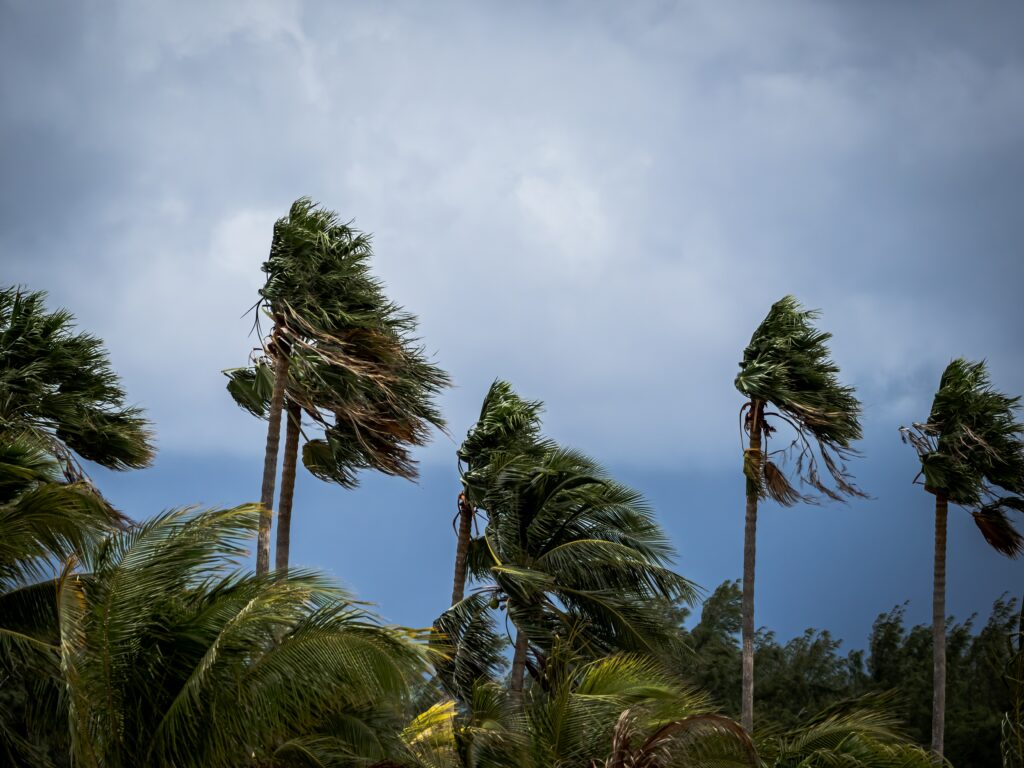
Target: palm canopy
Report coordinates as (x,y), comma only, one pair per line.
(171,655)
(508,427)
(972,451)
(787,365)
(57,389)
(569,553)
(353,364)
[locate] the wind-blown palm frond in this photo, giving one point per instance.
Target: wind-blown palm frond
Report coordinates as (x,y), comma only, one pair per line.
(787,365)
(172,656)
(972,451)
(44,523)
(574,554)
(58,391)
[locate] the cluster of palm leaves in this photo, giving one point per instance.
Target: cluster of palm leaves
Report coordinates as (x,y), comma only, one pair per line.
(125,644)
(340,354)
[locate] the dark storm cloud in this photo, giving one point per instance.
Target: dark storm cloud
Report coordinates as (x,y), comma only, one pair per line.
(598,201)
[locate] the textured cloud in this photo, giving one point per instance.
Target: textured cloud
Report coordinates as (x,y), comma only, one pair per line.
(597,201)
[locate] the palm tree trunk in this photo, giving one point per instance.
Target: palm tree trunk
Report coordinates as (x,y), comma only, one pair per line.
(270,462)
(749,558)
(462,548)
(519,663)
(284,504)
(939,628)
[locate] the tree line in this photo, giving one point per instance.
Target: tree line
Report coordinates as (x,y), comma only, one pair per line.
(151,643)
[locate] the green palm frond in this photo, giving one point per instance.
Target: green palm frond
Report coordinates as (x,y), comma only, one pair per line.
(173,656)
(972,451)
(787,365)
(58,391)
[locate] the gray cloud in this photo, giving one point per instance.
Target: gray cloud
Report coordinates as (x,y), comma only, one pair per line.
(597,201)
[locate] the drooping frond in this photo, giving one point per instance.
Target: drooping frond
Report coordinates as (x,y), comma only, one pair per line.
(787,365)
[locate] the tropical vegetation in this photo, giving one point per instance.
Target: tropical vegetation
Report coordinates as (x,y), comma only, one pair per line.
(972,454)
(567,640)
(787,366)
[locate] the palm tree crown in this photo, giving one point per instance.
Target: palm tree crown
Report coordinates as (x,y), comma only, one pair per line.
(57,389)
(972,451)
(787,364)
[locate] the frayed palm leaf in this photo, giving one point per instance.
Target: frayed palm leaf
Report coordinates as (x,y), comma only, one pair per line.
(996,527)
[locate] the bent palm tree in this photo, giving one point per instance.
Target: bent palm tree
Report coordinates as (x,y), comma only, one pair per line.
(57,390)
(508,426)
(786,366)
(349,353)
(972,454)
(571,555)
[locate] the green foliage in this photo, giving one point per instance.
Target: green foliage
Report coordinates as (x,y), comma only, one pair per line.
(566,547)
(57,390)
(972,451)
(172,656)
(43,523)
(787,365)
(354,366)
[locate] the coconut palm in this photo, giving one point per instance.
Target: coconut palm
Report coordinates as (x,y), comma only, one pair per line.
(57,390)
(569,553)
(788,377)
(972,454)
(349,353)
(170,655)
(43,522)
(508,426)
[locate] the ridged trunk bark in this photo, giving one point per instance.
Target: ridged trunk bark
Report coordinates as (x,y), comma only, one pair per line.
(284,504)
(939,629)
(270,462)
(749,559)
(519,663)
(462,548)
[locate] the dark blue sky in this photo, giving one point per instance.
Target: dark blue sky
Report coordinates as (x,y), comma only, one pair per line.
(597,201)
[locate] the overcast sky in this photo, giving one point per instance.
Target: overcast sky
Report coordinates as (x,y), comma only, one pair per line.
(596,201)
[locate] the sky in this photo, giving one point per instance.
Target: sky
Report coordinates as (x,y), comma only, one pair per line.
(596,201)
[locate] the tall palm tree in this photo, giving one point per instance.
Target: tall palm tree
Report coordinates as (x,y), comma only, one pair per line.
(508,426)
(350,352)
(972,454)
(57,390)
(569,553)
(171,655)
(787,367)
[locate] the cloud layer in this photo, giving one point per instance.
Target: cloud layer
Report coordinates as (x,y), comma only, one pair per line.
(597,201)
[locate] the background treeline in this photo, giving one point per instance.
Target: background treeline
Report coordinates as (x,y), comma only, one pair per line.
(796,678)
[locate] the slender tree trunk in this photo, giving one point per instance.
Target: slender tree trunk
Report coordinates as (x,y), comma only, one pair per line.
(270,462)
(939,628)
(284,504)
(462,548)
(519,663)
(749,558)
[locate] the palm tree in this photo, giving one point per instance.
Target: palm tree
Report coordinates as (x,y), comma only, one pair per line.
(508,427)
(43,522)
(786,366)
(349,352)
(972,454)
(571,554)
(57,390)
(170,655)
